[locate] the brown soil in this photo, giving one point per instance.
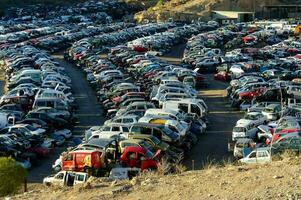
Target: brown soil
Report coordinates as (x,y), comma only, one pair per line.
(278,180)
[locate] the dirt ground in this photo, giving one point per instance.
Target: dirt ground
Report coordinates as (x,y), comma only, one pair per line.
(277,180)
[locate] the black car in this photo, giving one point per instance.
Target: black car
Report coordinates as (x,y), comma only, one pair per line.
(35,122)
(56,123)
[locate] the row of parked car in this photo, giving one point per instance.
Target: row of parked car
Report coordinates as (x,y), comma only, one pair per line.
(37,109)
(204,51)
(264,82)
(102,42)
(77,11)
(64,38)
(163,42)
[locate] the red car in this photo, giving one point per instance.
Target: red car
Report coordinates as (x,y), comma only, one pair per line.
(283,132)
(251,94)
(222,76)
(249,39)
(39,151)
(298,56)
(139,157)
(140,49)
(128,96)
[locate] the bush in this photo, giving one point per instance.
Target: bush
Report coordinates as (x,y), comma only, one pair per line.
(160,2)
(11,176)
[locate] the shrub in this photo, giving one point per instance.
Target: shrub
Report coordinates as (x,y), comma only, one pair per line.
(11,176)
(160,2)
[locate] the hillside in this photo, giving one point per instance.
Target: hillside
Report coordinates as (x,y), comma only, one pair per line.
(194,9)
(278,180)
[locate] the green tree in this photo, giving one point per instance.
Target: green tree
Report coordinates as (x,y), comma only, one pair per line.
(12,176)
(160,2)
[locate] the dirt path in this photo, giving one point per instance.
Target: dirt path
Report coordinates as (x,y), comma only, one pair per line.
(89,114)
(222,118)
(89,111)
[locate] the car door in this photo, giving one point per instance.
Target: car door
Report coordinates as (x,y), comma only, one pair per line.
(59,179)
(252,130)
(131,159)
(262,157)
(252,158)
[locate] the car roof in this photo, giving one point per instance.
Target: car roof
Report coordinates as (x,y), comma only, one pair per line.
(147,124)
(103,142)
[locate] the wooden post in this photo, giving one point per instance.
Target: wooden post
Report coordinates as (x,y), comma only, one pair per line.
(192,164)
(25,185)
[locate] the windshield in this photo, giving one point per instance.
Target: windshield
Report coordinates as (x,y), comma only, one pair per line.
(156,140)
(30,127)
(250,117)
(269,110)
(146,145)
(149,154)
(169,133)
(238,129)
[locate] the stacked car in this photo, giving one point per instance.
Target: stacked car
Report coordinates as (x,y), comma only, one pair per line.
(264,83)
(163,42)
(150,105)
(37,109)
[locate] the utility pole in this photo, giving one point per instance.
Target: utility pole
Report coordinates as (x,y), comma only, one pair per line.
(254,8)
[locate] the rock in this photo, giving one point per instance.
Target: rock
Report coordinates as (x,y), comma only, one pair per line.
(124,188)
(277,177)
(210,195)
(146,182)
(242,169)
(134,181)
(114,183)
(87,185)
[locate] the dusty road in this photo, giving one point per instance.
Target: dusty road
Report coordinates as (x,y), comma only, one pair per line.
(213,146)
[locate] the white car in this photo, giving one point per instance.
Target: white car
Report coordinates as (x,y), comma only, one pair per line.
(126,119)
(66,178)
(28,128)
(109,135)
(259,155)
(255,118)
(272,111)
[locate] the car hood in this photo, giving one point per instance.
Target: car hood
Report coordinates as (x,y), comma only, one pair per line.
(264,128)
(243,121)
(39,131)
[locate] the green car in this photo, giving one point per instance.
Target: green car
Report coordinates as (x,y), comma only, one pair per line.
(290,144)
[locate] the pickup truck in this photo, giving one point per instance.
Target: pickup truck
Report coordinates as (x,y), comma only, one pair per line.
(67,178)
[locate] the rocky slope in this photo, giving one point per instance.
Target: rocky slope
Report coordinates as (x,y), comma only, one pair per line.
(194,9)
(278,180)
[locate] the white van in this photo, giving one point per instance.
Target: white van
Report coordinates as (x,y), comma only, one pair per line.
(195,108)
(244,131)
(66,178)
